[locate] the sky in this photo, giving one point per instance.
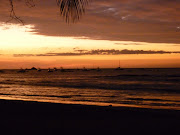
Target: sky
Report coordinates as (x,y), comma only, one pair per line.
(139,33)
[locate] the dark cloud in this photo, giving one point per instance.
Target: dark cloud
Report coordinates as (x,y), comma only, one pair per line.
(77,49)
(23,55)
(154,21)
(98,52)
(128,44)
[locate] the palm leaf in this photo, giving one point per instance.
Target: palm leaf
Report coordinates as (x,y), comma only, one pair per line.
(72,10)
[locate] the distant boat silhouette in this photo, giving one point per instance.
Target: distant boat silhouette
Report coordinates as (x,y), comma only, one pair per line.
(49,70)
(62,69)
(119,68)
(1,71)
(55,69)
(33,68)
(84,69)
(98,69)
(39,69)
(21,71)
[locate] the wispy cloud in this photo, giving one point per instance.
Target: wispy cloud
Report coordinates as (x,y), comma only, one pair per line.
(128,43)
(97,52)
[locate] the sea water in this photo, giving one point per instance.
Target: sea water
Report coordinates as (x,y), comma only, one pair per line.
(144,88)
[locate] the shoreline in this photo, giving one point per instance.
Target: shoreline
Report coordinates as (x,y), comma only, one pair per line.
(100,104)
(95,104)
(31,117)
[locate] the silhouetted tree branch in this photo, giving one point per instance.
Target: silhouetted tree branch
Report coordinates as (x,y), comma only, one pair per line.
(13,14)
(71,10)
(30,3)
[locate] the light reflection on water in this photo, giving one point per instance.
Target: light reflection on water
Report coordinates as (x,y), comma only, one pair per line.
(118,88)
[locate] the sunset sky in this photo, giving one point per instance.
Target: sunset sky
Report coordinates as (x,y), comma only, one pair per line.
(139,33)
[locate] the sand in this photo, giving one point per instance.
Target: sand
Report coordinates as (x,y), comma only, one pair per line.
(29,118)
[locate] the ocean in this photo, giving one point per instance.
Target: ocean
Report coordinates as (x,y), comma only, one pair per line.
(144,88)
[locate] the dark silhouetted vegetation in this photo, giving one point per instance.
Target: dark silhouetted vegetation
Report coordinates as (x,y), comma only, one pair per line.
(70,10)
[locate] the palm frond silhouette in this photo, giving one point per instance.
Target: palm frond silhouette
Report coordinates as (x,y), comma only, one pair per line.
(71,10)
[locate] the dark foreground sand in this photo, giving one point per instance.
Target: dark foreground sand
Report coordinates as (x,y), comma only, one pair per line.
(29,118)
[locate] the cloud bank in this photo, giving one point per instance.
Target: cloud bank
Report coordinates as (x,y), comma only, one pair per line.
(155,21)
(97,52)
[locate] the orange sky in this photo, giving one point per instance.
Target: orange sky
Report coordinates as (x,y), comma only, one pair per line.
(132,32)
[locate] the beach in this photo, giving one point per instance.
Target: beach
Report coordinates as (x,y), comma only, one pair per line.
(128,101)
(30,117)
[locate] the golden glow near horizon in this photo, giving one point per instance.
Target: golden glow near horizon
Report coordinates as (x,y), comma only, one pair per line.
(22,39)
(16,39)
